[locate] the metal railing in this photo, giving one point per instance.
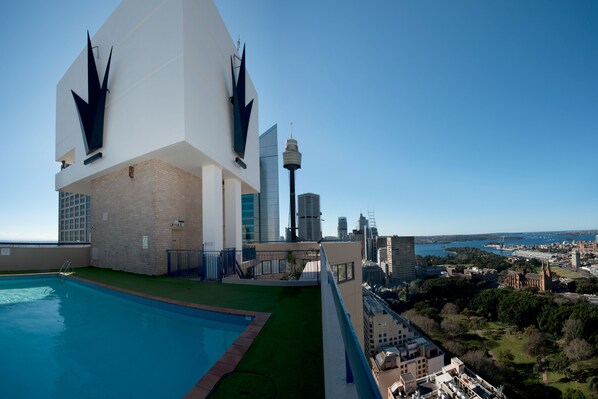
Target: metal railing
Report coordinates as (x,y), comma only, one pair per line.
(357,370)
(65,268)
(191,263)
(245,264)
(16,244)
(282,265)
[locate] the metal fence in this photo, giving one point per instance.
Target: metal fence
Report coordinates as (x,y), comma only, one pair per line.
(246,264)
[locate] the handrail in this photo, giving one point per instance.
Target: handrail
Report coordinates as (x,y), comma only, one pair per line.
(357,368)
(238,269)
(15,244)
(66,266)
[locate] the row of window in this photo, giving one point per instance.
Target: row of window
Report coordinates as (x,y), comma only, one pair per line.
(74,212)
(76,235)
(273,266)
(343,272)
(79,223)
(67,199)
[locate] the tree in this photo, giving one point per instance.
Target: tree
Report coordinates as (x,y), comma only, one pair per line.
(535,344)
(587,286)
(449,308)
(480,362)
(573,394)
(425,323)
(578,350)
(486,303)
(588,314)
(520,308)
(451,326)
(553,316)
(559,363)
(455,347)
(572,329)
(505,357)
(593,387)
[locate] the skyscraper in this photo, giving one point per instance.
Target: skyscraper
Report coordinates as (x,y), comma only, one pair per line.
(310,224)
(261,219)
(342,228)
(400,255)
(575,259)
(362,224)
(74,217)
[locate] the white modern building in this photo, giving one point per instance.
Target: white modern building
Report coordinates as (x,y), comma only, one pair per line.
(168,157)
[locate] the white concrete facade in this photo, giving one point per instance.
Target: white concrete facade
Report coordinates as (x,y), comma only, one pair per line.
(169,88)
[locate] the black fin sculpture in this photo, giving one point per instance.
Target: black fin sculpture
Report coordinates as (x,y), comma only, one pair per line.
(242,112)
(91,114)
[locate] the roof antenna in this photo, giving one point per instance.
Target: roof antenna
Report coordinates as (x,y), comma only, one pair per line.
(291,129)
(238,43)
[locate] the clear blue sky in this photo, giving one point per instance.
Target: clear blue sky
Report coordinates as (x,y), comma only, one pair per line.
(442,117)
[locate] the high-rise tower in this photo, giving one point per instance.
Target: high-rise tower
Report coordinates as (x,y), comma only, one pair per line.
(342,228)
(291,160)
(260,211)
(310,222)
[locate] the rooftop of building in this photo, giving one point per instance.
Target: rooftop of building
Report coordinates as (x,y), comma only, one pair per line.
(373,302)
(309,327)
(453,381)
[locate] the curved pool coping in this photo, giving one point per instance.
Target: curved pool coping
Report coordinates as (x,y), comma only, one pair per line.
(227,362)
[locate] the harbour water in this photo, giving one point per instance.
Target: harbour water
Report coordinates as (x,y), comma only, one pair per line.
(539,238)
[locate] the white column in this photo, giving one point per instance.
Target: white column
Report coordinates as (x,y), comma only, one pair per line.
(211,194)
(232,214)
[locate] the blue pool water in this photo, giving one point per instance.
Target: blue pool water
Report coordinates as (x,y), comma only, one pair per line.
(60,338)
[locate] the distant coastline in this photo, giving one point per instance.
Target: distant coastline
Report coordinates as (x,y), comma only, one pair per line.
(447,239)
(498,243)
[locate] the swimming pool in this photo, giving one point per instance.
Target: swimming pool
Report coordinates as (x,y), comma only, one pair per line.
(62,338)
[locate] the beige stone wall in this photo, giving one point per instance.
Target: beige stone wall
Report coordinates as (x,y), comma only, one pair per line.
(342,252)
(42,258)
(125,209)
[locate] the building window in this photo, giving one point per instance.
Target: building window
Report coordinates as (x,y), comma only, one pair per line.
(343,272)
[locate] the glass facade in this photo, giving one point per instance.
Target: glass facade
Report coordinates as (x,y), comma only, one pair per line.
(310,224)
(74,217)
(248,228)
(342,228)
(260,212)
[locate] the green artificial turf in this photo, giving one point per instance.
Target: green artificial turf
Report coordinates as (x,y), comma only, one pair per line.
(288,351)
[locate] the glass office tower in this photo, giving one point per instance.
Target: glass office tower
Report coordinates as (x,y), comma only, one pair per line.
(260,212)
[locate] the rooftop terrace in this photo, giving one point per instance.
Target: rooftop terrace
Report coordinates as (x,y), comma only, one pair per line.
(285,358)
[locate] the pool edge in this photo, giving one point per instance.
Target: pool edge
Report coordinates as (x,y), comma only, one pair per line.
(233,355)
(227,362)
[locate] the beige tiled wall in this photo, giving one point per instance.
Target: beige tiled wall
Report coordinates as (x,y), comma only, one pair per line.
(124,209)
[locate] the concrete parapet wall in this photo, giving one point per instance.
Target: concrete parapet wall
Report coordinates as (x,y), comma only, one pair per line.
(42,258)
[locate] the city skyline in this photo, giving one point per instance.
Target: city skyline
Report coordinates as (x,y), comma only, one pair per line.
(455,118)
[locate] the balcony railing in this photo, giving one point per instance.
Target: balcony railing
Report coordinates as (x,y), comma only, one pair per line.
(340,335)
(246,264)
